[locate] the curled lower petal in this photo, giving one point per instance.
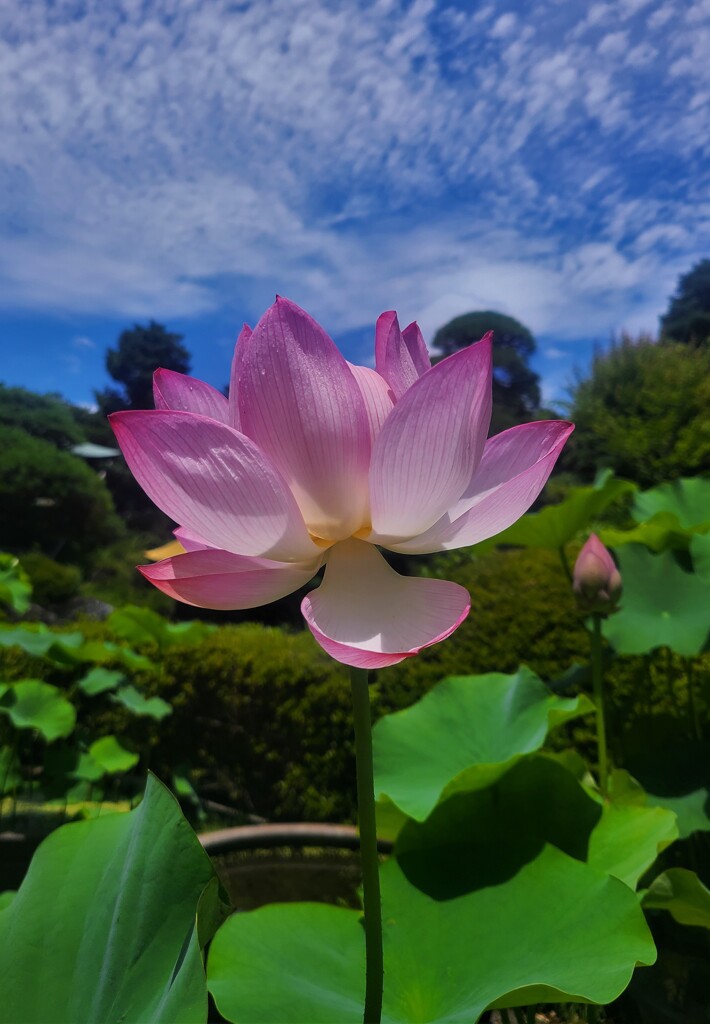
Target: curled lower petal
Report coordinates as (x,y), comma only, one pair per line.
(514,469)
(187,394)
(367,615)
(214,481)
(212,578)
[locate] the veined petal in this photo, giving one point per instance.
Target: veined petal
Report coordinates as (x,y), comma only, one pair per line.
(187,394)
(214,481)
(299,401)
(376,394)
(365,614)
(212,578)
(430,445)
(244,336)
(514,469)
(401,357)
(190,540)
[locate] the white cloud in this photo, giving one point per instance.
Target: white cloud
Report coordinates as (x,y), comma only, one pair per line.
(82,341)
(165,159)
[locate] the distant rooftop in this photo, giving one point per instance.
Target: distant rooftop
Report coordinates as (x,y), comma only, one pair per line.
(94,451)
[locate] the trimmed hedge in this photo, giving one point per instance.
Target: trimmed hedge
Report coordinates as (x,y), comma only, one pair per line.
(263,718)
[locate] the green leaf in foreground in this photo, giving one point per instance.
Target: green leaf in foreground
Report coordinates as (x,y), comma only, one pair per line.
(682,894)
(630,835)
(466,732)
(111,756)
(103,928)
(662,605)
(33,704)
(556,930)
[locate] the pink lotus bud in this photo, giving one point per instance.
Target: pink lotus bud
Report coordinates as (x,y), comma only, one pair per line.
(597,581)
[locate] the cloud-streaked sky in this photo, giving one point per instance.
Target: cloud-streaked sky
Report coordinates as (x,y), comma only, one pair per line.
(185,161)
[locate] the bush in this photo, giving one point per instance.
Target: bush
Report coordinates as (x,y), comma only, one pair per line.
(51,500)
(52,583)
(644,411)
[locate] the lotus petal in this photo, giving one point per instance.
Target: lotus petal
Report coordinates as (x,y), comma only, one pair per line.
(244,336)
(401,357)
(187,394)
(212,578)
(430,445)
(514,469)
(299,401)
(214,481)
(367,615)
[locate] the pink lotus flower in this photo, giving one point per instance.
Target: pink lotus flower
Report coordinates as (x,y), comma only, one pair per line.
(315,461)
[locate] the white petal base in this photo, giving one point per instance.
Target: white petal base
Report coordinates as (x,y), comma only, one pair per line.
(367,615)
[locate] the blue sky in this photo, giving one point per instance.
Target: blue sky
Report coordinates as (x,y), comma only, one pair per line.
(185,161)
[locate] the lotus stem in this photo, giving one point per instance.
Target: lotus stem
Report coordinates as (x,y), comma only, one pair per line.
(597,680)
(368,847)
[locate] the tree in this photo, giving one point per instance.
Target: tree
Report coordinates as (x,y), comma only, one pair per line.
(138,353)
(516,387)
(643,411)
(51,500)
(687,319)
(48,417)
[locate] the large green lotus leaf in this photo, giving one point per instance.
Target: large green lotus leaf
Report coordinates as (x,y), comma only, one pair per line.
(103,928)
(41,642)
(32,704)
(688,499)
(661,606)
(484,836)
(138,625)
(15,586)
(135,701)
(676,776)
(111,756)
(682,894)
(556,930)
(557,525)
(100,680)
(658,533)
(464,733)
(629,835)
(700,553)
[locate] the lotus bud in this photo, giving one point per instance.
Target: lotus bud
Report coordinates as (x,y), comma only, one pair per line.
(597,581)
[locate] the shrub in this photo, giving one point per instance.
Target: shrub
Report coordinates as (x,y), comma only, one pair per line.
(52,583)
(51,499)
(47,417)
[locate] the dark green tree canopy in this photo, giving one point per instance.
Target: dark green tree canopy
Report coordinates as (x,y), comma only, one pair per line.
(516,387)
(48,417)
(139,352)
(688,316)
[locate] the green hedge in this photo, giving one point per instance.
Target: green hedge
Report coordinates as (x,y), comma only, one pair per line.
(263,715)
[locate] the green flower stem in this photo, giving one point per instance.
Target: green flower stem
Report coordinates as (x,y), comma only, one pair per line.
(597,681)
(368,846)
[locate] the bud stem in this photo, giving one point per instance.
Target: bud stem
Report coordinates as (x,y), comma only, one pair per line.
(597,681)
